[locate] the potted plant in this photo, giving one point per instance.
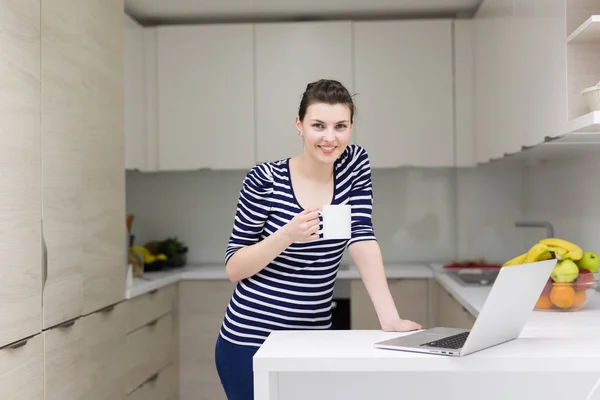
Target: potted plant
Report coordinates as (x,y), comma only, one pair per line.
(175,250)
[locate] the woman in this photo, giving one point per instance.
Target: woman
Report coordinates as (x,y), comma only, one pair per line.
(284,272)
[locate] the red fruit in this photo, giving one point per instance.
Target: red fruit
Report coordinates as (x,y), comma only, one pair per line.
(548,287)
(583,282)
(583,271)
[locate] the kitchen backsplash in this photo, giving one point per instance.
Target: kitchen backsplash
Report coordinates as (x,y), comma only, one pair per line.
(567,194)
(420,214)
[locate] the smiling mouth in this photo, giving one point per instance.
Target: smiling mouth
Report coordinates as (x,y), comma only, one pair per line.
(327,149)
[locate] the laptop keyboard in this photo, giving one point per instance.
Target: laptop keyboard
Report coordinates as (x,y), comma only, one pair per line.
(451,342)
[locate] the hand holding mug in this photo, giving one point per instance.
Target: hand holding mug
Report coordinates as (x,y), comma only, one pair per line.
(304,227)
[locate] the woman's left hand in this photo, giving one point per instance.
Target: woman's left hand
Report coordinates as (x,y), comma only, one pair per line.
(401,325)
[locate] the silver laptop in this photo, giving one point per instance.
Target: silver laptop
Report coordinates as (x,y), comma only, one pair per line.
(508,306)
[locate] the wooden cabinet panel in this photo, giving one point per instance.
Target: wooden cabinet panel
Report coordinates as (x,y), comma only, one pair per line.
(202,308)
(64,362)
(103,198)
(105,354)
(149,307)
(22,370)
(451,313)
(161,386)
(411,297)
(20,176)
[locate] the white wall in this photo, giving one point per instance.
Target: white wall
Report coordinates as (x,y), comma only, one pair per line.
(419,214)
(567,193)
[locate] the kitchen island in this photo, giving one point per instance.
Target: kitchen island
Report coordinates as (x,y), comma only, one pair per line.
(557,356)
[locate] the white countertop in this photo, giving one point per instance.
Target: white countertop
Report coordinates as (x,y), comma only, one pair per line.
(353,351)
(155,280)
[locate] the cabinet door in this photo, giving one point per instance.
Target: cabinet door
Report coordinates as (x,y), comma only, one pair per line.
(63,130)
(403,77)
(20,178)
(134,81)
(206,97)
(103,197)
(22,370)
(202,308)
(64,362)
(451,313)
(411,297)
(288,57)
(104,354)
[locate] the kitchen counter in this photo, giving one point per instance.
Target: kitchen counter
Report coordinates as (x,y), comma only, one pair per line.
(344,364)
(155,280)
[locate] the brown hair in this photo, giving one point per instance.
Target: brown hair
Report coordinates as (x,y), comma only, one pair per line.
(326,91)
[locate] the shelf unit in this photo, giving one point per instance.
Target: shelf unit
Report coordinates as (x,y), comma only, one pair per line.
(588,32)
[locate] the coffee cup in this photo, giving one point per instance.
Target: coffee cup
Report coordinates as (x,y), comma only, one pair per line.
(337,221)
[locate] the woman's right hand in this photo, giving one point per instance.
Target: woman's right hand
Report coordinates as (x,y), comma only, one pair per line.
(304,227)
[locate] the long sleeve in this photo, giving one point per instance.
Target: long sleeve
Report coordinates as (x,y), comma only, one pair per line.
(361,199)
(252,209)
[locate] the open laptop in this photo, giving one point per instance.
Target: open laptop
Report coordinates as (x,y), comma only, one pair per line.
(508,306)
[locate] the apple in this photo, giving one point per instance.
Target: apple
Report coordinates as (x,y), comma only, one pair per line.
(565,271)
(584,281)
(548,287)
(589,261)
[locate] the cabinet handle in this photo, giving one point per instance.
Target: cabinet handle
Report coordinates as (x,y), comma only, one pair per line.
(153,378)
(67,324)
(152,323)
(108,309)
(44,257)
(152,292)
(18,344)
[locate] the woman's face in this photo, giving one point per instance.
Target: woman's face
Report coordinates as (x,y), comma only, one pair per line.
(325,131)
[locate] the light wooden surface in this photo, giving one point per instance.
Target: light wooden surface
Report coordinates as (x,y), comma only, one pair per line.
(22,371)
(103,198)
(149,307)
(449,311)
(202,309)
(411,297)
(161,386)
(20,176)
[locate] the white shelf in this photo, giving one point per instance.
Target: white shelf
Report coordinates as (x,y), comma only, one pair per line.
(582,137)
(588,32)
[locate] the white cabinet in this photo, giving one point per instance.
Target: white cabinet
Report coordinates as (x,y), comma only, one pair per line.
(403,77)
(135,96)
(205,97)
(20,176)
(288,57)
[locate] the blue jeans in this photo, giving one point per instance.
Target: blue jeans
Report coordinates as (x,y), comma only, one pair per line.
(234,366)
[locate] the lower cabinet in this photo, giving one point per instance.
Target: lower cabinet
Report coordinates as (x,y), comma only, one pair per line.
(22,370)
(412,298)
(84,359)
(450,312)
(202,306)
(151,367)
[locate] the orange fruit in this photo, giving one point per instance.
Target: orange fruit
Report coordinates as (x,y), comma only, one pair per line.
(578,300)
(562,296)
(544,302)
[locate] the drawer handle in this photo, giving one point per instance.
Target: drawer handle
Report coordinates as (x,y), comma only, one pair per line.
(152,292)
(108,309)
(153,378)
(67,324)
(152,323)
(18,344)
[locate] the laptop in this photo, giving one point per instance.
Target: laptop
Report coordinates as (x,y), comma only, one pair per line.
(509,304)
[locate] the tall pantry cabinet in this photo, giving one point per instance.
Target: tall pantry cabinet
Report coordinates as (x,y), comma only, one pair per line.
(62,200)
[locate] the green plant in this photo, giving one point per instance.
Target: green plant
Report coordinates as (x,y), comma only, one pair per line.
(172,246)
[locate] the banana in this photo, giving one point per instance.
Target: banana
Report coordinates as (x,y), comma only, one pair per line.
(538,252)
(573,251)
(516,261)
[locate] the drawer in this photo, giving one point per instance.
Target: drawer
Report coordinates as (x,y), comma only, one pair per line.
(149,349)
(160,386)
(22,370)
(148,307)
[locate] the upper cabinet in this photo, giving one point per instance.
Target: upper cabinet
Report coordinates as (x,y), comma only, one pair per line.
(288,57)
(529,76)
(205,97)
(225,96)
(404,84)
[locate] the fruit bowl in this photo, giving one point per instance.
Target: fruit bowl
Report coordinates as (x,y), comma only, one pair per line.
(567,292)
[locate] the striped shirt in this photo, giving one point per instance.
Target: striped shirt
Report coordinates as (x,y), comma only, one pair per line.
(295,290)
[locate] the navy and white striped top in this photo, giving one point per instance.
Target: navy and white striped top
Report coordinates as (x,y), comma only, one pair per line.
(295,290)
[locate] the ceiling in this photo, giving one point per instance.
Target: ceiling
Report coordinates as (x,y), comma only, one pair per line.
(153,12)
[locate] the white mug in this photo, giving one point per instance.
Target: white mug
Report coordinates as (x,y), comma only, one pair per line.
(337,221)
